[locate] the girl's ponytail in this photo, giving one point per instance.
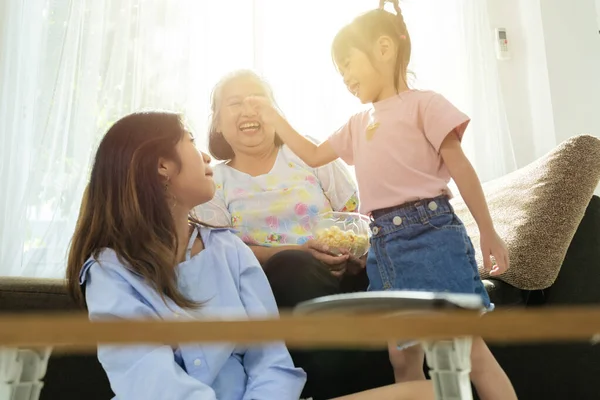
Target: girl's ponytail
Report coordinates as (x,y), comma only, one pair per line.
(404,44)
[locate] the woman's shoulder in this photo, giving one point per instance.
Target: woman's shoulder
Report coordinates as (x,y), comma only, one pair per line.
(106,262)
(225,245)
(219,170)
(289,155)
(222,173)
(221,167)
(219,236)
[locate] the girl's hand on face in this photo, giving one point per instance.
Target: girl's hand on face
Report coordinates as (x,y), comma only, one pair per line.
(265,109)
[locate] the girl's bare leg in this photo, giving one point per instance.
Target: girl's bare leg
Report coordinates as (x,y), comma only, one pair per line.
(407,363)
(488,377)
(422,390)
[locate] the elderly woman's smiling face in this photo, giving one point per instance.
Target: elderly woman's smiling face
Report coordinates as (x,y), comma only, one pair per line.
(237,121)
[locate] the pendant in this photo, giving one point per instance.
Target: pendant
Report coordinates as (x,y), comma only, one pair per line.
(371,130)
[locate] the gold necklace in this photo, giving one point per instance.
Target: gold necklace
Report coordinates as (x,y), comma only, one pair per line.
(371,129)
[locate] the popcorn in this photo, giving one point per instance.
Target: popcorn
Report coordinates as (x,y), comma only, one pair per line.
(338,239)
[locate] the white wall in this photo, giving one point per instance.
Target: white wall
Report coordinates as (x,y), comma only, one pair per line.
(554,70)
(573,54)
(551,85)
(525,82)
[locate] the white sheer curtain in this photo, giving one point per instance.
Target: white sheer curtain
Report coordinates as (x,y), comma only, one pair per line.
(454,54)
(69,68)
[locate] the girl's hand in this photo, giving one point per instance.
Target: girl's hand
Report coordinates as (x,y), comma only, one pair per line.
(495,254)
(268,114)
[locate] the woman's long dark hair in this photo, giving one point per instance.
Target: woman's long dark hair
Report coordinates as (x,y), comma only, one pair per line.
(125,205)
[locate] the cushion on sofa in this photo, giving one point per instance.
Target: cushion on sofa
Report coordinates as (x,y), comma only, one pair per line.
(537,210)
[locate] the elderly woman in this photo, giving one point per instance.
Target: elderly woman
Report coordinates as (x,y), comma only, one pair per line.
(273,200)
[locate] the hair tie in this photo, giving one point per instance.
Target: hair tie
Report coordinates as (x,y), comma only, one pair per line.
(403,37)
(394,3)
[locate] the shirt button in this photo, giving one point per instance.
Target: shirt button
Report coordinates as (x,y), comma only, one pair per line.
(197,362)
(397,220)
(375,230)
(433,206)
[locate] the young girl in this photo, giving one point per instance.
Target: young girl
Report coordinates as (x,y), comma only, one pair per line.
(136,253)
(405,149)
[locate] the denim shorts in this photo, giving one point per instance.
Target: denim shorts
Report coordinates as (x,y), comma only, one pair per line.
(423,246)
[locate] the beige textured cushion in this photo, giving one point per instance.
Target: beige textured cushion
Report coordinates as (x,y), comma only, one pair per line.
(537,210)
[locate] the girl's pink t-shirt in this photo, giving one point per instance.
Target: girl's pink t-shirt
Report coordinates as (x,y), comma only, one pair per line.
(395,145)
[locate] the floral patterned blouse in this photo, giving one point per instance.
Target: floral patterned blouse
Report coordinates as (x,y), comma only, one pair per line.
(281,207)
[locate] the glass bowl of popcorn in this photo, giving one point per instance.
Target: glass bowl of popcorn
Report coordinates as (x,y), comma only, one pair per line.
(343,231)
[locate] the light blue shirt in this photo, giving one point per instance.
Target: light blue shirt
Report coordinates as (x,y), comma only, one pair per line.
(230,282)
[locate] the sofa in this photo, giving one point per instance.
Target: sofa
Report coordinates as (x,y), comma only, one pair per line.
(538,371)
(562,371)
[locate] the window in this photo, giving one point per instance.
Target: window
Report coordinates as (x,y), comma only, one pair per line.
(71,68)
